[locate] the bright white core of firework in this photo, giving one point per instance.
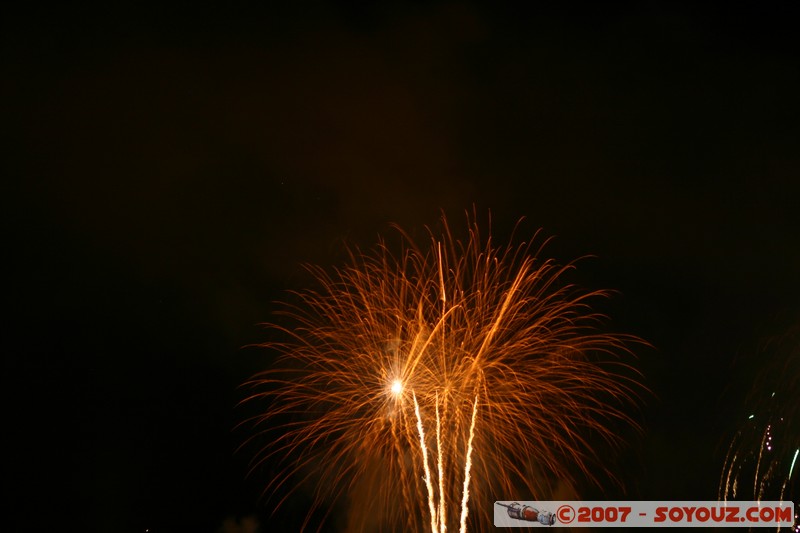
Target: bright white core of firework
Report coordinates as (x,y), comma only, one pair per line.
(397,387)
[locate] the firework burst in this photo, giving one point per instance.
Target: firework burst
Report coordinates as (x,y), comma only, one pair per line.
(440,376)
(763,459)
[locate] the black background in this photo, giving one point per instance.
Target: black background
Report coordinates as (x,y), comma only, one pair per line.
(169,168)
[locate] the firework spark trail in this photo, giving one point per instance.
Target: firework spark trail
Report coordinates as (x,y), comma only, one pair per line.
(427,470)
(440,463)
(436,324)
(467,467)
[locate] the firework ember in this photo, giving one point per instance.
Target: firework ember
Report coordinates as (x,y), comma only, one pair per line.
(438,376)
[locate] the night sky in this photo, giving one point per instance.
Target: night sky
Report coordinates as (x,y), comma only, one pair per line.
(168,170)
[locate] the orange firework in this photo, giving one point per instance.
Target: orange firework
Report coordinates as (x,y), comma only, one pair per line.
(426,384)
